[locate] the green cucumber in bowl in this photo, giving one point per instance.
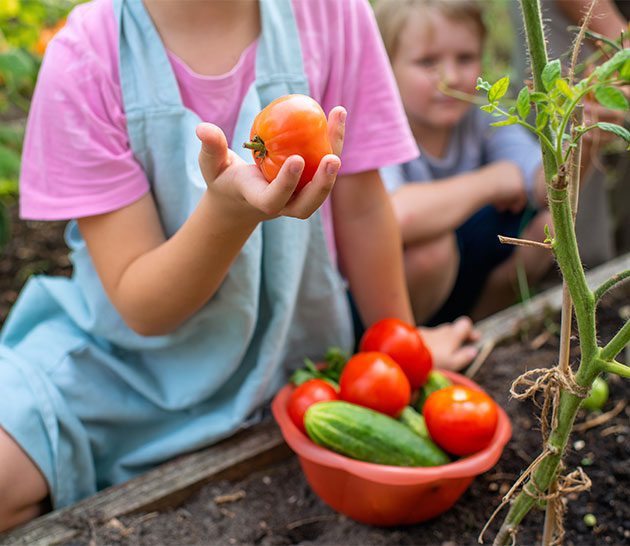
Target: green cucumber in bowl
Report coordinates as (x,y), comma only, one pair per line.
(367,435)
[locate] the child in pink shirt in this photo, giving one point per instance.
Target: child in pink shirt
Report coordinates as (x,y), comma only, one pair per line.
(197,285)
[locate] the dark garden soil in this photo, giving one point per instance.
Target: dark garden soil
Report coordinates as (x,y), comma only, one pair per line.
(277,507)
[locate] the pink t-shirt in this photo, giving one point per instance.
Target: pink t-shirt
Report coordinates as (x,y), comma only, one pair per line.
(77,160)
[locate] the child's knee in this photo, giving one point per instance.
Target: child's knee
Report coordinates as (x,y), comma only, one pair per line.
(23,489)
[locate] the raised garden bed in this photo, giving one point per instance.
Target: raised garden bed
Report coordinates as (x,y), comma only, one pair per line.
(250,489)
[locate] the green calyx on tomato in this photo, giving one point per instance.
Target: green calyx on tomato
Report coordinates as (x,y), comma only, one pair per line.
(290,125)
(403,343)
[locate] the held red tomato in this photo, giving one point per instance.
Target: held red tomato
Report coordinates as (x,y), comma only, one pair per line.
(375,381)
(460,420)
(307,394)
(289,125)
(404,344)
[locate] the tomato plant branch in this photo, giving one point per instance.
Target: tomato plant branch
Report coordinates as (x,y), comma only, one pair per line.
(609,284)
(523,242)
(617,343)
(567,255)
(617,368)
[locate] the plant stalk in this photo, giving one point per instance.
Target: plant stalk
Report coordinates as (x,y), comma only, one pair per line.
(567,255)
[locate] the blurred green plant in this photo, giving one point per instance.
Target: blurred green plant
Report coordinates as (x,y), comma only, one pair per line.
(26,27)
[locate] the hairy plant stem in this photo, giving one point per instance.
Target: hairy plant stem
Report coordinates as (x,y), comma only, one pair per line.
(567,255)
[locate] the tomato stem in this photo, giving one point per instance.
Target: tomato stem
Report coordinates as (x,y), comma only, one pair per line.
(258,146)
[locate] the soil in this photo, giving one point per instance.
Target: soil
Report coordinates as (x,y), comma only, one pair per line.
(277,506)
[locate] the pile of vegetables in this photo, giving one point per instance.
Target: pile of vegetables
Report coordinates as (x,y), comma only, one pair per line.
(386,405)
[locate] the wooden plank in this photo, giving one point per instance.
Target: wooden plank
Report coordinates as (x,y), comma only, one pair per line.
(164,486)
(252,449)
(506,323)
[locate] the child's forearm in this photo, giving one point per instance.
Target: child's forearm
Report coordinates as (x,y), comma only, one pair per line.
(426,210)
(369,248)
(157,284)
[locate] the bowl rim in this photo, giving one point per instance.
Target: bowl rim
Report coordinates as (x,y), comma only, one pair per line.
(465,467)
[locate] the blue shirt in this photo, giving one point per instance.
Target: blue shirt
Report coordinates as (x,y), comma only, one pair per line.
(474,144)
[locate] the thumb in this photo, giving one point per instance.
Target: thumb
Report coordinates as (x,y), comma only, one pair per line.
(213,156)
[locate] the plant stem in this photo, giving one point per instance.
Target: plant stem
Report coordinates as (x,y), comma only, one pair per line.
(617,343)
(607,285)
(567,254)
(617,368)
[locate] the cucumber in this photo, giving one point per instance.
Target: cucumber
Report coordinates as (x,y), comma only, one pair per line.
(367,435)
(435,382)
(414,421)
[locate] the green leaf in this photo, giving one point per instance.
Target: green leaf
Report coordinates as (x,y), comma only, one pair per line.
(542,118)
(482,84)
(614,63)
(499,89)
(611,97)
(523,104)
(9,163)
(537,97)
(614,128)
(509,121)
(564,88)
(487,108)
(624,72)
(551,73)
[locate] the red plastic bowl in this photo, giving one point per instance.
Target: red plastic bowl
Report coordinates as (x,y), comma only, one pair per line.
(381,494)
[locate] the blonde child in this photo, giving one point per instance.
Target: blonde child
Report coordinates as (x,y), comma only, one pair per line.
(196,284)
(471,182)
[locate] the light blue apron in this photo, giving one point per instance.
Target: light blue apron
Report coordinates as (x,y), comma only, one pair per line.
(94,403)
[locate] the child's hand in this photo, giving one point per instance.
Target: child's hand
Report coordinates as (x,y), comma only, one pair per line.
(452,344)
(509,191)
(243,189)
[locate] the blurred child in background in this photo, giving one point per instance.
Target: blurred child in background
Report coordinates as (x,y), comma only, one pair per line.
(472,182)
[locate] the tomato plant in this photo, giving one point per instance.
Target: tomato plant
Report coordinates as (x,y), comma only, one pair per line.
(404,344)
(374,380)
(307,394)
(460,420)
(290,125)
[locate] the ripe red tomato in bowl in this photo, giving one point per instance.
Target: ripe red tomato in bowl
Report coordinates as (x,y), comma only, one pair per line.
(403,343)
(307,394)
(290,125)
(460,420)
(375,381)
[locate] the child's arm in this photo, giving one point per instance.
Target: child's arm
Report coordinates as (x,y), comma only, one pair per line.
(369,247)
(428,210)
(157,283)
(370,255)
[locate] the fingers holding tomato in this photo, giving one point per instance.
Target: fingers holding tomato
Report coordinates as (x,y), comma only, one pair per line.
(461,420)
(337,128)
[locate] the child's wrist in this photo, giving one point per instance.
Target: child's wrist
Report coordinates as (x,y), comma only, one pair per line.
(229,213)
